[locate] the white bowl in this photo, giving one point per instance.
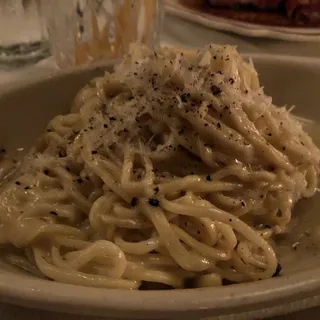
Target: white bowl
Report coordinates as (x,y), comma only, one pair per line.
(24,113)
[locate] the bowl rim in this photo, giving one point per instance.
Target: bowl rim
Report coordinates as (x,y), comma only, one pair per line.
(17,289)
(101,66)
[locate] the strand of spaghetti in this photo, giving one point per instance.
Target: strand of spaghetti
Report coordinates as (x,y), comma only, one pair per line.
(69,242)
(222,136)
(196,184)
(201,248)
(96,166)
(245,254)
(312,182)
(101,207)
(136,272)
(79,278)
(100,248)
(27,231)
(137,248)
(242,173)
(70,188)
(234,222)
(133,187)
(153,259)
(246,127)
(187,260)
(66,211)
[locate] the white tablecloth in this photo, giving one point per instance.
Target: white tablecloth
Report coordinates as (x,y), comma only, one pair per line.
(182,33)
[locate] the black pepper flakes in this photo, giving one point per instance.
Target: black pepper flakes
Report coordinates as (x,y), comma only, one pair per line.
(27,188)
(61,153)
(53,213)
(79,180)
(231,80)
(278,270)
(81,28)
(46,172)
(133,202)
(218,125)
(209,178)
(112,118)
(18,183)
(156,190)
(184,98)
(215,90)
(94,152)
(105,126)
(153,202)
(243,203)
(79,11)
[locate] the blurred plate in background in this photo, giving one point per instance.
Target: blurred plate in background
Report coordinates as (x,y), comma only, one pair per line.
(248,29)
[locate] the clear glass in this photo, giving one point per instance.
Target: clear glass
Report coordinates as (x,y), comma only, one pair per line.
(22,33)
(86,31)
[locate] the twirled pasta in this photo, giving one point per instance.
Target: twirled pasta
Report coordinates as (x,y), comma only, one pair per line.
(175,166)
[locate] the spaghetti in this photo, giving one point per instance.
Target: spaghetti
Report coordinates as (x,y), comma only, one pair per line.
(175,166)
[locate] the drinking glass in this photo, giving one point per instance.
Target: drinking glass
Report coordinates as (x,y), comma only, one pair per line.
(22,33)
(86,31)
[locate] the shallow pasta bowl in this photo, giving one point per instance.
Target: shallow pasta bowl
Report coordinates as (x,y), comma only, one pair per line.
(24,113)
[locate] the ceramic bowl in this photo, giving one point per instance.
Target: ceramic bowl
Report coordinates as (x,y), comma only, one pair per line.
(24,113)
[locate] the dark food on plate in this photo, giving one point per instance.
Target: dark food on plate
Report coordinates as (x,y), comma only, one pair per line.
(299,13)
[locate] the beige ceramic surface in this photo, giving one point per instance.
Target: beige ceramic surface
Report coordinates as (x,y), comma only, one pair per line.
(24,112)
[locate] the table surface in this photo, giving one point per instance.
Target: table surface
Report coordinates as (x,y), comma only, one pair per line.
(182,33)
